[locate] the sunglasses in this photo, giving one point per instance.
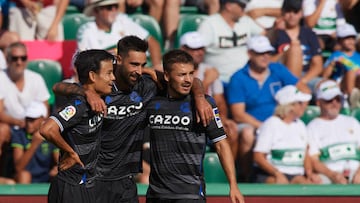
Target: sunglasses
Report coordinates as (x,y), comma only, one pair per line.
(337,99)
(16,58)
(109,7)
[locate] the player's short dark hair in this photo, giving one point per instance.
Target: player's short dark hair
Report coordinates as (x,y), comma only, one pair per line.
(131,43)
(90,60)
(176,56)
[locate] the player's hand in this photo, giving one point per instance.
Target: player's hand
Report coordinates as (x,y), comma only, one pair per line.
(204,111)
(236,196)
(96,103)
(69,160)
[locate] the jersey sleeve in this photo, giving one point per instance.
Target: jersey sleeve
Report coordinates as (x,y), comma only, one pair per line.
(215,130)
(71,114)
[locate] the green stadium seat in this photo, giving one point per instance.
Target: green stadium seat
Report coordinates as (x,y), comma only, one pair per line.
(70,9)
(71,23)
(310,113)
(187,23)
(189,10)
(151,25)
(50,70)
(356,113)
(213,170)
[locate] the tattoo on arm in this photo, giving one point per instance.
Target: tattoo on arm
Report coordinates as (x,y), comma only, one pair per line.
(66,89)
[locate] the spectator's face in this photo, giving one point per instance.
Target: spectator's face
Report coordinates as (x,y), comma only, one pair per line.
(348,43)
(17,62)
(106,14)
(236,10)
(330,108)
(33,124)
(103,80)
(197,54)
(292,18)
(180,79)
(299,108)
(130,68)
(260,60)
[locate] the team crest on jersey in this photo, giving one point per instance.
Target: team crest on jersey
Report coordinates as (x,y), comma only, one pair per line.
(217,118)
(68,112)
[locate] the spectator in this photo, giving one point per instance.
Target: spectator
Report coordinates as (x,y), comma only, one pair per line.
(193,44)
(19,87)
(171,15)
(153,7)
(334,139)
(37,19)
(225,36)
(251,93)
(298,46)
(264,12)
(109,27)
(281,146)
(344,65)
(323,16)
(35,159)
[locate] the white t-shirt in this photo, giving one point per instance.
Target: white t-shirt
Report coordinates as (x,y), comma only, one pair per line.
(221,50)
(330,17)
(15,102)
(216,87)
(3,64)
(284,144)
(340,134)
(90,37)
(264,21)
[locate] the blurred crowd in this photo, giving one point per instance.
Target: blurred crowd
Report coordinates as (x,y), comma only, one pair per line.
(264,62)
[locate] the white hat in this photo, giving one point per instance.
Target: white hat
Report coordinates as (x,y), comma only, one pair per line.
(345,30)
(89,9)
(290,94)
(259,44)
(36,109)
(328,90)
(192,40)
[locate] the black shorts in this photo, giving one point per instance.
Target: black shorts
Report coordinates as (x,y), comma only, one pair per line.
(61,191)
(158,200)
(122,190)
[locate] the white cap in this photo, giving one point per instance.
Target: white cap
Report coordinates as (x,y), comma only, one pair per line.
(36,109)
(192,40)
(290,94)
(89,9)
(259,44)
(328,90)
(345,30)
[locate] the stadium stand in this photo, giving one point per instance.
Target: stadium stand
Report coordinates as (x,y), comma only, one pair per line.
(213,171)
(71,23)
(188,22)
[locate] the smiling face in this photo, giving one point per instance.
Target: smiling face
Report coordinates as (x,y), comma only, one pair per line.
(180,79)
(129,69)
(103,80)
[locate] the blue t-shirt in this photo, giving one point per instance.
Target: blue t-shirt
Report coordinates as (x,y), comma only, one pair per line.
(259,99)
(343,63)
(41,162)
(309,44)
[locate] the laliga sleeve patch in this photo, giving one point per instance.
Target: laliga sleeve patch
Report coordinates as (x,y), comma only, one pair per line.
(68,112)
(217,118)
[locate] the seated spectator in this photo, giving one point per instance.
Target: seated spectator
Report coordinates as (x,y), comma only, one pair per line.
(297,46)
(264,12)
(334,139)
(193,44)
(344,65)
(152,7)
(281,146)
(171,15)
(35,159)
(109,26)
(19,87)
(323,16)
(351,9)
(251,91)
(38,19)
(225,35)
